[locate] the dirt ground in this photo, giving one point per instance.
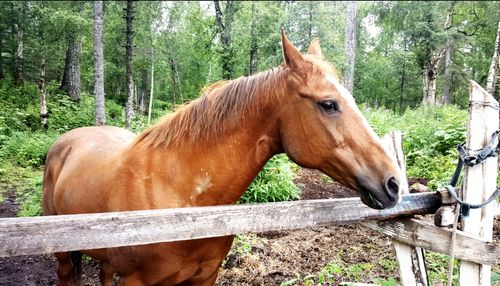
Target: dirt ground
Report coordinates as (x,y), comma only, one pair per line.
(350,253)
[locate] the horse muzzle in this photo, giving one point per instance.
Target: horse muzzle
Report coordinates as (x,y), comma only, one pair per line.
(379,195)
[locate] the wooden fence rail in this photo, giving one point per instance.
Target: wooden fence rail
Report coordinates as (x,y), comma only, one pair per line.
(22,236)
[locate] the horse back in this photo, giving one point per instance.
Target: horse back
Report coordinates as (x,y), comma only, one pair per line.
(75,163)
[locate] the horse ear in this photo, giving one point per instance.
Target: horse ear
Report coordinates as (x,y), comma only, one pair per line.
(293,58)
(314,48)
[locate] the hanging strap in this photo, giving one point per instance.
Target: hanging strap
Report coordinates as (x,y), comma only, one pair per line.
(472,158)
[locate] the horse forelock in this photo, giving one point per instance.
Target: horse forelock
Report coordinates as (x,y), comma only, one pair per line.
(219,110)
(321,67)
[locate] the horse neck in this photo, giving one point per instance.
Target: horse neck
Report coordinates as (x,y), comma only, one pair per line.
(218,172)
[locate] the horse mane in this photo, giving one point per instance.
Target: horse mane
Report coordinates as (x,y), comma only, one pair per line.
(218,111)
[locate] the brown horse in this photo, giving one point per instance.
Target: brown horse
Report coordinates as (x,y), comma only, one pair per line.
(207,153)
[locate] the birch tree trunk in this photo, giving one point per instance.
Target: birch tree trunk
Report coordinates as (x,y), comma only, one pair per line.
(100,114)
(129,107)
(492,72)
(71,77)
(44,114)
(350,45)
(429,79)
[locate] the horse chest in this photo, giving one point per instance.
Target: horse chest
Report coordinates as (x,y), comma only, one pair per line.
(170,263)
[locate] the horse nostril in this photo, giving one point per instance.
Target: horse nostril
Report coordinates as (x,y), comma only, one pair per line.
(392,188)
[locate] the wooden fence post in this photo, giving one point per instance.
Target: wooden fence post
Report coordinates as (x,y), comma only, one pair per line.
(480,180)
(410,258)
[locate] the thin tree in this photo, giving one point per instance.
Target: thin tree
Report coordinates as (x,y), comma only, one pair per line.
(495,62)
(44,114)
(2,76)
(129,108)
(253,42)
(151,92)
(100,114)
(17,36)
(350,45)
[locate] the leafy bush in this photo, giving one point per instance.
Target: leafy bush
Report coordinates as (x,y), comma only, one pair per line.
(274,183)
(31,200)
(430,136)
(27,149)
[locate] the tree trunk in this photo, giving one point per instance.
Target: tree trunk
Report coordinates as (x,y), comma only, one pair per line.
(225,26)
(253,43)
(2,76)
(150,107)
(129,108)
(71,77)
(100,114)
(429,78)
(448,75)
(350,45)
(172,78)
(19,56)
(491,81)
(143,92)
(429,86)
(311,19)
(402,84)
(43,96)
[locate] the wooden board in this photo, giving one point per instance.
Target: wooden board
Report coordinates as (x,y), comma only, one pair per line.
(426,235)
(479,181)
(410,258)
(21,236)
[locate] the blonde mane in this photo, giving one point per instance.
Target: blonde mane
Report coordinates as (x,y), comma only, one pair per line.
(218,111)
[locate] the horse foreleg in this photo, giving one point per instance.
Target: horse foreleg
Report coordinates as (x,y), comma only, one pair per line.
(67,270)
(106,274)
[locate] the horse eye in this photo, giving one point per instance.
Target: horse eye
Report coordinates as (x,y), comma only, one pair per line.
(329,106)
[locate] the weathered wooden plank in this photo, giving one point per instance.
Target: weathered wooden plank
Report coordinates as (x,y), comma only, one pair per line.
(410,258)
(426,235)
(479,180)
(21,236)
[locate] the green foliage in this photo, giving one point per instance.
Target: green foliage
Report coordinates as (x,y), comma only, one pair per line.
(31,200)
(27,149)
(495,278)
(385,282)
(437,268)
(274,183)
(244,243)
(335,272)
(430,136)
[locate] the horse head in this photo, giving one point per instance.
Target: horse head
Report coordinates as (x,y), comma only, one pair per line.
(322,128)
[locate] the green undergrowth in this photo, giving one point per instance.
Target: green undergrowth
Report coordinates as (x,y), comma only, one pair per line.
(337,272)
(274,183)
(24,183)
(430,136)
